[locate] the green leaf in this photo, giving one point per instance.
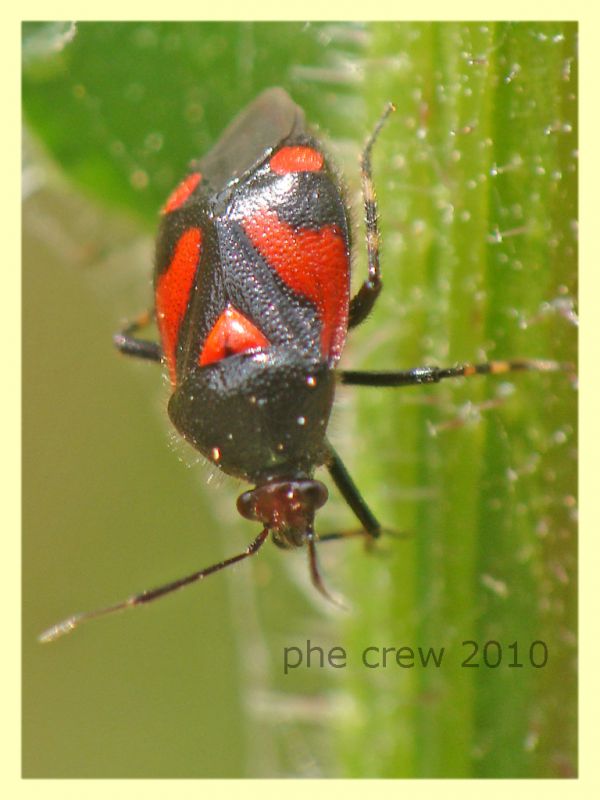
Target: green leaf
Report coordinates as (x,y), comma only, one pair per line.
(477,188)
(138,101)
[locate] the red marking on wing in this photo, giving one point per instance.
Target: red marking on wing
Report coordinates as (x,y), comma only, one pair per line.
(315,264)
(232,333)
(296,159)
(173,293)
(181,192)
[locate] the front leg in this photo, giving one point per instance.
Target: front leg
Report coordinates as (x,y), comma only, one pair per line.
(350,493)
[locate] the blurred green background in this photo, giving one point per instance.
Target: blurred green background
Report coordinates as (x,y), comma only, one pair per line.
(476,178)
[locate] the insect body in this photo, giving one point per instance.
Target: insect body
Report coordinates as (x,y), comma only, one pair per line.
(252,302)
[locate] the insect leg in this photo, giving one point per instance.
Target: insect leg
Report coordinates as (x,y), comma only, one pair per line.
(129,345)
(364,300)
(352,496)
(421,375)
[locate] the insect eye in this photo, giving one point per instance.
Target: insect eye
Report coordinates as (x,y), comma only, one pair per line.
(246,505)
(314,494)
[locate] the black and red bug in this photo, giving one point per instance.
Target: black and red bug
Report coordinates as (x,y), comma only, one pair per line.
(252,302)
